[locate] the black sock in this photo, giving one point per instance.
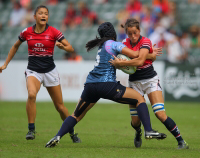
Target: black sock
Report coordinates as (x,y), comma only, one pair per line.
(67,125)
(143,114)
(171,126)
(137,128)
(31,126)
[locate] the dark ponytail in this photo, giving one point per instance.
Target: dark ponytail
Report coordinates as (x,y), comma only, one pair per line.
(96,42)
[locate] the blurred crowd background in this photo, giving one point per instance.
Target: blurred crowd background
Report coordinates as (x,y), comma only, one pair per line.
(171,24)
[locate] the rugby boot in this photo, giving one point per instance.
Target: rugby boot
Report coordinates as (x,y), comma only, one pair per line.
(154,135)
(183,145)
(30,135)
(53,142)
(138,139)
(75,138)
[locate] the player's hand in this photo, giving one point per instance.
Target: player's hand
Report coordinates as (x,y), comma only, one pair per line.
(60,45)
(157,51)
(116,62)
(2,68)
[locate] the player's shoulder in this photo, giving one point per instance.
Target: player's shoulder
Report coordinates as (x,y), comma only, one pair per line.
(145,39)
(126,40)
(26,30)
(53,28)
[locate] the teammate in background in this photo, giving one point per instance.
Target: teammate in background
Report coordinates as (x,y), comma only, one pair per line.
(101,83)
(146,81)
(41,39)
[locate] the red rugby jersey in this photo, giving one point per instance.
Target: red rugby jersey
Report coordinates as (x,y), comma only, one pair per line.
(143,42)
(41,47)
(41,44)
(145,71)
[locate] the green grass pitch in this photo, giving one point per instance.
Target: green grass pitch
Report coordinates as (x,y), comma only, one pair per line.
(105,132)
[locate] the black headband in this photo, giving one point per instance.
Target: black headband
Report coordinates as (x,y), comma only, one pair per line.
(107,30)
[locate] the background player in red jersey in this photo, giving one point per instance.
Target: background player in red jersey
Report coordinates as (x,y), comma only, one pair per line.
(146,81)
(41,39)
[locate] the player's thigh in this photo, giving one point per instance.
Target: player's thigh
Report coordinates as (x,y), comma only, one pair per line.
(81,109)
(133,94)
(154,90)
(88,98)
(156,97)
(51,79)
(56,95)
(33,85)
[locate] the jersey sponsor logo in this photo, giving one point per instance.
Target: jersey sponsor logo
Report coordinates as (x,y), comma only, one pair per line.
(39,45)
(39,48)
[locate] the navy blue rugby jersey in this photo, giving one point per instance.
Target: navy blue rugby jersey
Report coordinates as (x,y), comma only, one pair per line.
(103,71)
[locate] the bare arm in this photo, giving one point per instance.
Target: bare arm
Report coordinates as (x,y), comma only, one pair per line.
(130,53)
(65,45)
(151,56)
(11,54)
(134,62)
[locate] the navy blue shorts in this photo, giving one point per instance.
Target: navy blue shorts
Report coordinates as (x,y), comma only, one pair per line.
(107,90)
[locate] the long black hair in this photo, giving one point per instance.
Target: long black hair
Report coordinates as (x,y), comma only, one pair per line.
(106,32)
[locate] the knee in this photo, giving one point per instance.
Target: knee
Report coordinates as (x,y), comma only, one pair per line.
(60,107)
(32,96)
(140,100)
(77,118)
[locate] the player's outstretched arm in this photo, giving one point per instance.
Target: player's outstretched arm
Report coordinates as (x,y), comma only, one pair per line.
(65,45)
(11,54)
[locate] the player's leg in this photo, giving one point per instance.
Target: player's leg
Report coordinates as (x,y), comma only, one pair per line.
(52,83)
(136,124)
(69,123)
(87,101)
(33,86)
(143,114)
(56,96)
(121,94)
(135,120)
(157,102)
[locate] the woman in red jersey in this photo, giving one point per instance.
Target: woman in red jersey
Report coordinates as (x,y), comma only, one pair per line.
(146,81)
(41,39)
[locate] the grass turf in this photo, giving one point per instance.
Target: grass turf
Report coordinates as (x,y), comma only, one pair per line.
(105,133)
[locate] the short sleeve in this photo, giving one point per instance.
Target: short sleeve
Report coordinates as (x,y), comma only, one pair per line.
(22,36)
(124,41)
(113,47)
(58,35)
(146,43)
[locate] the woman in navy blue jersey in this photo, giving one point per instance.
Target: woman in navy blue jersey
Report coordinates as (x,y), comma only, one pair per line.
(101,83)
(41,39)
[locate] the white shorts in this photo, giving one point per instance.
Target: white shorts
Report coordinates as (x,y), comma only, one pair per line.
(146,86)
(49,79)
